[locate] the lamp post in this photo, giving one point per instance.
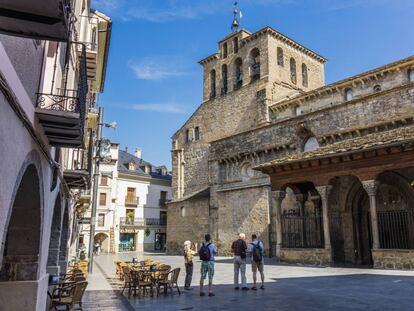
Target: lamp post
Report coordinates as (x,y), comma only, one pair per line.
(98,158)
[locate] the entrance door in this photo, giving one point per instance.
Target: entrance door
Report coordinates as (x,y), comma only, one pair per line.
(362,230)
(160,241)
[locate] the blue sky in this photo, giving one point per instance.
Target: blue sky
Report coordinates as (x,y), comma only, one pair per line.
(154,82)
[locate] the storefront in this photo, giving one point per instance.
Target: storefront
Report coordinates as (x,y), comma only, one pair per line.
(127,242)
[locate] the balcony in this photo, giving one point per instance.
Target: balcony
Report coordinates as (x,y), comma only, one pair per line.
(141,222)
(131,201)
(41,20)
(91,58)
(77,170)
(163,202)
(63,114)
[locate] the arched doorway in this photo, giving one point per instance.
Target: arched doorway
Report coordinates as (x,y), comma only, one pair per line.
(102,239)
(21,248)
(55,233)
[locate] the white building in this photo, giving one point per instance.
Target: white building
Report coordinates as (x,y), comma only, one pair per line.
(132,212)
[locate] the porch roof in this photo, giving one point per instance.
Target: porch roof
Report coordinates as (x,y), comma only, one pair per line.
(368,142)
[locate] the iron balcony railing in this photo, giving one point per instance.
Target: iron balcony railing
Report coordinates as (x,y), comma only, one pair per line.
(142,222)
(163,202)
(68,100)
(131,201)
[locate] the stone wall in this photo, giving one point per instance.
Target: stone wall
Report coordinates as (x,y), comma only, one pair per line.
(306,256)
(243,211)
(193,226)
(400,259)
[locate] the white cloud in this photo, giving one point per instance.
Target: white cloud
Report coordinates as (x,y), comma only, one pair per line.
(169,107)
(156,68)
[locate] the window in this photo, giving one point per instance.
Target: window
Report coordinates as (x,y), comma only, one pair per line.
(238,73)
(224,78)
(311,144)
(280,61)
(163,218)
(377,88)
(196,133)
(304,75)
(148,169)
(235,45)
(101,220)
(348,94)
(293,76)
(187,136)
(411,75)
(212,83)
(182,211)
(102,199)
(132,166)
(104,180)
(163,198)
(255,64)
(225,51)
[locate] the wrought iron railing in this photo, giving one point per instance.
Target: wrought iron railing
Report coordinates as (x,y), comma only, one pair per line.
(77,160)
(141,222)
(129,200)
(302,231)
(396,229)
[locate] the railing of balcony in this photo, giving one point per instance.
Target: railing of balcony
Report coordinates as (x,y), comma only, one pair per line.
(163,202)
(140,222)
(66,99)
(129,200)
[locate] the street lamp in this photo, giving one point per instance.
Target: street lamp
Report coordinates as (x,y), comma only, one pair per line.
(103,147)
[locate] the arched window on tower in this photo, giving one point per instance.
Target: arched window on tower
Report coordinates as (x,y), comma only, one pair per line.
(293,76)
(238,73)
(225,50)
(255,64)
(187,136)
(224,78)
(304,75)
(212,83)
(235,45)
(411,75)
(280,61)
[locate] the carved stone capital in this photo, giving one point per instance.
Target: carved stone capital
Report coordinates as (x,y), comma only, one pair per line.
(324,191)
(278,195)
(370,186)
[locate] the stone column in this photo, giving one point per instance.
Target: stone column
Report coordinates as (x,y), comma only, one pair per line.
(324,193)
(275,222)
(371,187)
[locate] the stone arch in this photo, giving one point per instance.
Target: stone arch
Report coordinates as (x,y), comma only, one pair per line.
(390,181)
(238,73)
(55,233)
(103,239)
(22,245)
(254,60)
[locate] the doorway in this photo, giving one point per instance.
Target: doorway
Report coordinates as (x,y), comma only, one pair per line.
(160,241)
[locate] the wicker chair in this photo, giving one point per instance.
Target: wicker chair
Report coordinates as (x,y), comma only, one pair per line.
(144,281)
(169,281)
(128,281)
(68,295)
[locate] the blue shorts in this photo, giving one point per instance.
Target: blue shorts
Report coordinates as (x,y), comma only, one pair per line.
(207,267)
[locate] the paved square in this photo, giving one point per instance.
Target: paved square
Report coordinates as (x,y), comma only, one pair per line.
(287,288)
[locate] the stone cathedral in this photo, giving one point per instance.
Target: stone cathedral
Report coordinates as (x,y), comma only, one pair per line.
(324,174)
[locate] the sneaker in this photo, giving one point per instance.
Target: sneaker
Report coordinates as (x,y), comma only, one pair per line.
(237,288)
(245,288)
(254,288)
(202,294)
(262,287)
(211,294)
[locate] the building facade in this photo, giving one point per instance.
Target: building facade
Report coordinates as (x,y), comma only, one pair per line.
(49,77)
(132,204)
(311,168)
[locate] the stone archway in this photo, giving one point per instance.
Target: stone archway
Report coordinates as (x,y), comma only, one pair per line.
(55,234)
(103,240)
(21,254)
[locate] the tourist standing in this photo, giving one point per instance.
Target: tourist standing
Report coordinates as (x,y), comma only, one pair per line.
(189,266)
(256,248)
(239,249)
(207,252)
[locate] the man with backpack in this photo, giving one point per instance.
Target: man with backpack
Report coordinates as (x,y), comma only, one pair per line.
(207,252)
(239,249)
(256,250)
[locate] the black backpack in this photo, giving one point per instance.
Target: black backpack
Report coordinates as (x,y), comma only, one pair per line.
(204,252)
(257,252)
